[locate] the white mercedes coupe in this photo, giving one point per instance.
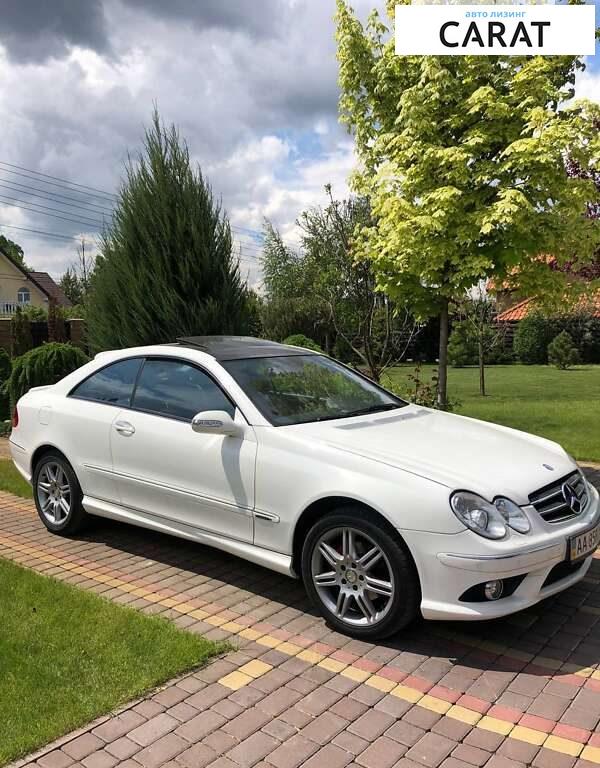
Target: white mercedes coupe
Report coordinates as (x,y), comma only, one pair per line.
(287,458)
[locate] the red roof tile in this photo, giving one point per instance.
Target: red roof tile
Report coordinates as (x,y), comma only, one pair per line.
(522,309)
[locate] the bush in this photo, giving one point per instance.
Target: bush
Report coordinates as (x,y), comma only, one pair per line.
(300,340)
(535,332)
(419,391)
(562,352)
(5,369)
(462,349)
(531,339)
(35,314)
(41,366)
(584,330)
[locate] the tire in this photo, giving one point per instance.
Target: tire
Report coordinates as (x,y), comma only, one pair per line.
(360,552)
(57,495)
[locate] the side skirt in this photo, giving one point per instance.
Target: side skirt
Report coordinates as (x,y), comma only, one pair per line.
(275,561)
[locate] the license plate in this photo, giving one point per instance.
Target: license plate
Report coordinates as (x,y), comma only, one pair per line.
(584,544)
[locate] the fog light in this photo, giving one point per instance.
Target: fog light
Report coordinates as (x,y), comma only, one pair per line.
(493,589)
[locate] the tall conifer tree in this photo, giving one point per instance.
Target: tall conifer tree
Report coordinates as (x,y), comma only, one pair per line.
(166,266)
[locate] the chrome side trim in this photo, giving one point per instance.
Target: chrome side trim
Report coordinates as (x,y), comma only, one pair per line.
(239,508)
(275,561)
(269,516)
(509,556)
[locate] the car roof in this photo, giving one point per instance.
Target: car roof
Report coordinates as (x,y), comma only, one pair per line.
(239,347)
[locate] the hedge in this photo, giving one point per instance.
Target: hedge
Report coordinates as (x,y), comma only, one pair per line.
(535,332)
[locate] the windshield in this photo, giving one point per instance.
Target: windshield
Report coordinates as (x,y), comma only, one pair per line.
(302,388)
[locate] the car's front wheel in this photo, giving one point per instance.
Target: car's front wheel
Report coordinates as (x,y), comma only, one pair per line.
(57,495)
(359,575)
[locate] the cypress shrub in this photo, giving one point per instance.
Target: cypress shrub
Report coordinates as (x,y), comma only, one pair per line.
(41,366)
(562,352)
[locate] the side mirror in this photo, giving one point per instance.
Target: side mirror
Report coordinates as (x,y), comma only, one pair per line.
(216,423)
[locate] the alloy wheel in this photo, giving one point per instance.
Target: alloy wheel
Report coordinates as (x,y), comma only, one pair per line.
(353,576)
(54,493)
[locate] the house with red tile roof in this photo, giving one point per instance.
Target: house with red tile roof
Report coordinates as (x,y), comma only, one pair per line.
(513,307)
(519,311)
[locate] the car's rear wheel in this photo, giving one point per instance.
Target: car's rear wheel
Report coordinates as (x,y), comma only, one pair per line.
(57,495)
(359,575)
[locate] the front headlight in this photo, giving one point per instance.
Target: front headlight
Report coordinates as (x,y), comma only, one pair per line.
(478,514)
(513,515)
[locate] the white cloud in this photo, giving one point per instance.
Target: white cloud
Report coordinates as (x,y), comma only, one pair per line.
(256,103)
(587,85)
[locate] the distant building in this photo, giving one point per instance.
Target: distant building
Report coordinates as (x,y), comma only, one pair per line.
(21,288)
(512,305)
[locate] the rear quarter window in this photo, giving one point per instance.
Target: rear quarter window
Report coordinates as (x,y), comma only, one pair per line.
(112,385)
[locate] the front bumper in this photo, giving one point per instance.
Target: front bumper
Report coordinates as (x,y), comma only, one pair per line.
(450,564)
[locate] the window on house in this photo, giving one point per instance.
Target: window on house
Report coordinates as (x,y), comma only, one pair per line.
(23,296)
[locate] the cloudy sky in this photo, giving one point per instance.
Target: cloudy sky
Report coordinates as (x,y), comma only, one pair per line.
(251,86)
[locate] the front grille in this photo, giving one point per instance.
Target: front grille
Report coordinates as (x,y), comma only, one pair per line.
(550,502)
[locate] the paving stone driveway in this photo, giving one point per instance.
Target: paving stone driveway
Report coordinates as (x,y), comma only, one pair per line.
(521,691)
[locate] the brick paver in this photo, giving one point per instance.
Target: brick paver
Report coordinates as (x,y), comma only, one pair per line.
(505,694)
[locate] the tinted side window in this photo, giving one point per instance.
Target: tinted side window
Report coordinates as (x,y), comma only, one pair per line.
(178,390)
(113,384)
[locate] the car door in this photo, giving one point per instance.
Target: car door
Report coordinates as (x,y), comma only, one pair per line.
(166,470)
(86,420)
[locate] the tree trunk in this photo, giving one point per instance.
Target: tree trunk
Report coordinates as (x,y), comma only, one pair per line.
(442,393)
(481,369)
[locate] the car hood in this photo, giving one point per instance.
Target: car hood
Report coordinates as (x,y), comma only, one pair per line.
(455,451)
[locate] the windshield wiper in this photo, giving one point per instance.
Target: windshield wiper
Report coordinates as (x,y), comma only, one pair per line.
(371,409)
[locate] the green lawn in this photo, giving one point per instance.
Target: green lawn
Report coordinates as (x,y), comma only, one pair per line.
(11,481)
(67,656)
(561,405)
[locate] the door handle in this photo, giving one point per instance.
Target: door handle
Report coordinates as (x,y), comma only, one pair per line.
(124,428)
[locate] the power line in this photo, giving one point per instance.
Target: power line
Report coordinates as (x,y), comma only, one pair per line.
(57,178)
(23,203)
(51,195)
(50,199)
(248,246)
(251,231)
(53,215)
(40,232)
(247,252)
(251,251)
(249,259)
(68,185)
(68,208)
